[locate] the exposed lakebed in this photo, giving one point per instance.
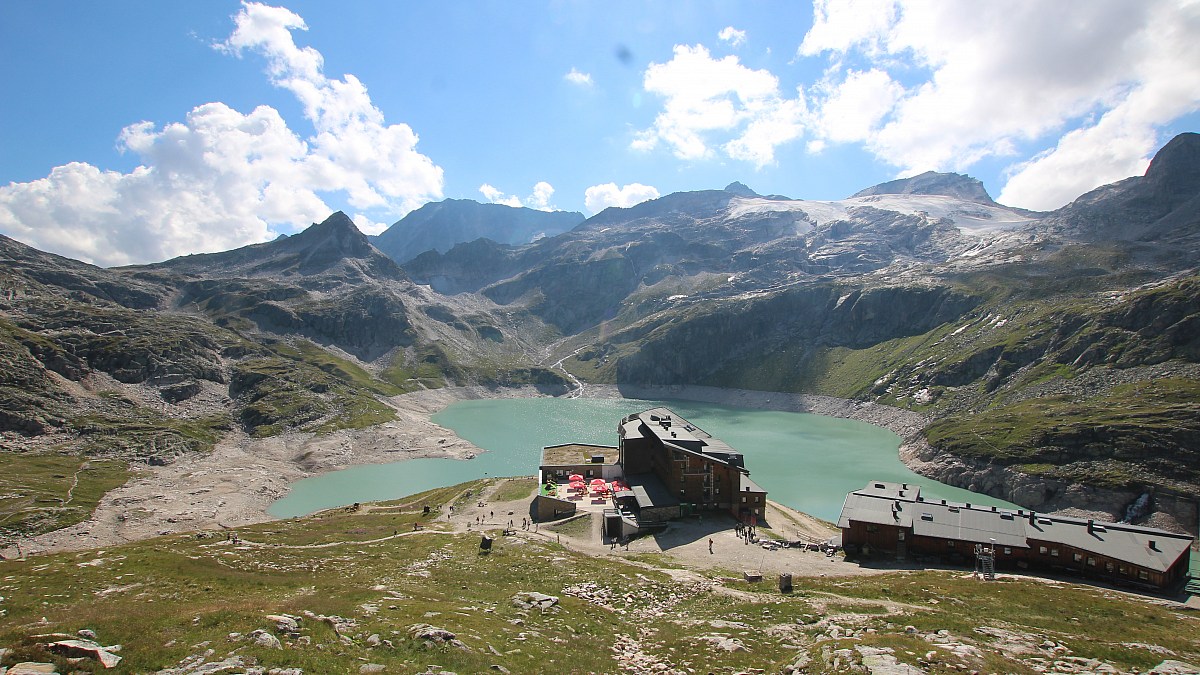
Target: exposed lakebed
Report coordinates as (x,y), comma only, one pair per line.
(804,461)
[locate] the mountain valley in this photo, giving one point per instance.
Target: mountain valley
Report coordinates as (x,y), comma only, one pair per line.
(1053,354)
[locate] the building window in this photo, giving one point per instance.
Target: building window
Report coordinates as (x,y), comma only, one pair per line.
(743,500)
(1091,561)
(1043,550)
(1077,557)
(1007,550)
(1122,570)
(1108,567)
(871,527)
(1143,574)
(1053,553)
(949,543)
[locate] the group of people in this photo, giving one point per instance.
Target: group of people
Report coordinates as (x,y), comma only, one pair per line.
(744,531)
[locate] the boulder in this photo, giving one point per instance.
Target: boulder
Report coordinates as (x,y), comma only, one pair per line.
(534,600)
(32,668)
(264,638)
(432,635)
(85,649)
(1168,667)
(284,623)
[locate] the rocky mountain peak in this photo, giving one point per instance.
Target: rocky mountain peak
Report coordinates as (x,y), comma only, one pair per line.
(933,183)
(336,234)
(1175,169)
(740,189)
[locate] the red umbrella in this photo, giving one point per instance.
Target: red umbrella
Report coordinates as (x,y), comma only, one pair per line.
(597,481)
(577,485)
(574,477)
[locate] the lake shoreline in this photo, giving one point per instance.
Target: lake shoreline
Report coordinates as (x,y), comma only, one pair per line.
(238,481)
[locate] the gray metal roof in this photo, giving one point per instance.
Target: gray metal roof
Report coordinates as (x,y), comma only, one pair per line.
(631,428)
(683,435)
(876,510)
(649,487)
(746,482)
(883,504)
(886,490)
(973,524)
(1115,540)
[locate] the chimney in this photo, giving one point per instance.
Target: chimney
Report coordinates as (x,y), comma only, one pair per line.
(1032,517)
(1091,526)
(1153,545)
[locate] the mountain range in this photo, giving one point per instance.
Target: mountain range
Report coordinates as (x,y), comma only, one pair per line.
(1053,355)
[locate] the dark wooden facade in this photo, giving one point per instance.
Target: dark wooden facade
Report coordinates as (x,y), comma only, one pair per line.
(881,520)
(716,482)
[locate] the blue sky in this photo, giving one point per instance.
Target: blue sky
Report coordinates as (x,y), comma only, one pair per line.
(138,131)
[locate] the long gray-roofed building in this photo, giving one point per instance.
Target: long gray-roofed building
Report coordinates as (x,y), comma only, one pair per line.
(893,518)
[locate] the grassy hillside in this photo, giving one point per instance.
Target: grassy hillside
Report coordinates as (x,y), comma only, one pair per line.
(365,587)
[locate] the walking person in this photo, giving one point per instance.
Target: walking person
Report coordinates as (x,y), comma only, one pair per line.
(710,546)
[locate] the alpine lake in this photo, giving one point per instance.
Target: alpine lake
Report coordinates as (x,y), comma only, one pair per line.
(804,461)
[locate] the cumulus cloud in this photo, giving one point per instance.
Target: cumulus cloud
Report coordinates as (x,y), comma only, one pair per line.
(707,99)
(1090,81)
(539,199)
(732,35)
(222,179)
(576,77)
(600,197)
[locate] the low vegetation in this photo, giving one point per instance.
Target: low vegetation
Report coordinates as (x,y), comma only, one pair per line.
(45,492)
(306,388)
(1153,427)
(364,586)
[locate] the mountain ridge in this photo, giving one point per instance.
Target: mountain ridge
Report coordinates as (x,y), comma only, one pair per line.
(972,313)
(438,226)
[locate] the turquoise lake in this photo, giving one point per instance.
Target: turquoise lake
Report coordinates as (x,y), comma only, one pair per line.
(807,462)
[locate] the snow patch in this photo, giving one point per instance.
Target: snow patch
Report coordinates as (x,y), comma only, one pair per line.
(968,217)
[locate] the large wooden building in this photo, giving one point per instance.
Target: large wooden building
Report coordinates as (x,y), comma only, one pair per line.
(894,519)
(693,466)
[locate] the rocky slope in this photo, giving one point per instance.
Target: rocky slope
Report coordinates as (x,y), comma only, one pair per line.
(1058,347)
(922,293)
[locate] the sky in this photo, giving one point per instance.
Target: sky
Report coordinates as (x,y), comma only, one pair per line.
(135,131)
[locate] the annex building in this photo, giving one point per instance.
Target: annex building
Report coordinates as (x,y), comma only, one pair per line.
(894,519)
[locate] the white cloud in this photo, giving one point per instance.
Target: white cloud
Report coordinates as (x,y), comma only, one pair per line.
(222,179)
(1091,81)
(576,77)
(732,35)
(495,196)
(854,108)
(707,97)
(539,199)
(368,226)
(599,197)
